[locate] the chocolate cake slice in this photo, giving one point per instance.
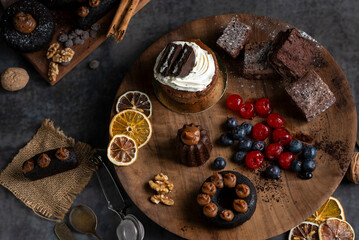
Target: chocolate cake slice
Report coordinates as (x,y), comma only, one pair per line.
(184,62)
(256,65)
(234,37)
(291,54)
(311,95)
(168,58)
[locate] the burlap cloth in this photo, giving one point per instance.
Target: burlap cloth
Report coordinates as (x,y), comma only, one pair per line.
(50,197)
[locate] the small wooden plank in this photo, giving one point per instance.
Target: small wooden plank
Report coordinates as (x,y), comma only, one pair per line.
(63,25)
(281,204)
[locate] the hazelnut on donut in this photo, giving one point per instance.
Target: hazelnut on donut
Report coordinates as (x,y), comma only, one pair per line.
(227,215)
(217,179)
(230,180)
(240,205)
(210,210)
(203,199)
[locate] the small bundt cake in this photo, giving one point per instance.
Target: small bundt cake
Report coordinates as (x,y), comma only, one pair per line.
(193,145)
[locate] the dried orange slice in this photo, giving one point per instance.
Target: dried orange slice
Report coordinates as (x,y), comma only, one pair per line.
(122,150)
(304,231)
(135,100)
(133,124)
(336,229)
(331,209)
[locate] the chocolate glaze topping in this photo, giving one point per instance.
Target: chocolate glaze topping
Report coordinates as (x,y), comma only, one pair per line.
(209,188)
(210,210)
(226,215)
(242,190)
(62,154)
(24,22)
(217,180)
(230,180)
(83,11)
(191,135)
(240,205)
(203,199)
(43,160)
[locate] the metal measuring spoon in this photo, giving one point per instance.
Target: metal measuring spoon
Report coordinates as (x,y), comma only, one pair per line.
(84,220)
(130,228)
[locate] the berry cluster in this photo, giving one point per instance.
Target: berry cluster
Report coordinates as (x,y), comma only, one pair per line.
(252,150)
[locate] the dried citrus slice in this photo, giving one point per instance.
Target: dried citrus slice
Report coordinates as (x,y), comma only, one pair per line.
(133,124)
(135,100)
(336,229)
(304,231)
(331,208)
(122,150)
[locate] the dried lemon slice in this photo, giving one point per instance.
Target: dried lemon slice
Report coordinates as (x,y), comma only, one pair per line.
(135,100)
(304,231)
(331,209)
(336,229)
(133,124)
(122,150)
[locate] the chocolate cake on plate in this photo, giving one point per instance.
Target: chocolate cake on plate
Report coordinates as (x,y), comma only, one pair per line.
(311,94)
(291,54)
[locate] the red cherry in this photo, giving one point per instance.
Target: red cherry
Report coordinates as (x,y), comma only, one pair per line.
(263,107)
(234,101)
(254,159)
(286,159)
(274,151)
(281,136)
(247,110)
(275,120)
(260,131)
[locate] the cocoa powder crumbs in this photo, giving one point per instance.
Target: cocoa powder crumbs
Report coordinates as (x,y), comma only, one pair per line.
(337,149)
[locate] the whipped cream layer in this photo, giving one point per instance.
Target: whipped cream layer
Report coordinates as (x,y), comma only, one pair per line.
(198,79)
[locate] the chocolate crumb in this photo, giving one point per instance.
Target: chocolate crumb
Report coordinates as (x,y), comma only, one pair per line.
(78,31)
(95,27)
(69,43)
(63,38)
(84,35)
(65,63)
(93,33)
(78,41)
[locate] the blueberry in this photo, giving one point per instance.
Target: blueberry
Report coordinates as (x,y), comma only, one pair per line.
(247,127)
(245,144)
(239,157)
(273,171)
(295,146)
(231,123)
(310,152)
(296,165)
(308,165)
(226,139)
(258,146)
(305,175)
(219,163)
(238,133)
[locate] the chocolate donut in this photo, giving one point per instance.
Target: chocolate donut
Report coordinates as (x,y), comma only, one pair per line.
(235,202)
(27,26)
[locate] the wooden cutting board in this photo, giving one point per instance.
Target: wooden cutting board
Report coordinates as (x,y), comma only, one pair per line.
(281,203)
(63,25)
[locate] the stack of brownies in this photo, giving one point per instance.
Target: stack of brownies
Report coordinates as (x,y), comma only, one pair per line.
(290,56)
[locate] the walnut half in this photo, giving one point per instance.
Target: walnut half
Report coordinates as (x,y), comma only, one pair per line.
(63,56)
(53,71)
(52,50)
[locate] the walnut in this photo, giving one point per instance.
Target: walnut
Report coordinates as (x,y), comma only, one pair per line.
(53,71)
(167,201)
(353,170)
(156,199)
(63,56)
(161,177)
(169,185)
(158,186)
(52,50)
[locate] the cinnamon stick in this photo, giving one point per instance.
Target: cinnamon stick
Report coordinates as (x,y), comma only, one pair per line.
(122,19)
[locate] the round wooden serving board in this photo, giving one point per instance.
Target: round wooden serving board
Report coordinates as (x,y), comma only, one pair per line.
(281,204)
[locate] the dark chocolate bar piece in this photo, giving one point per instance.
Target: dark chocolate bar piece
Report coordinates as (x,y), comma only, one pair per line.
(234,37)
(50,163)
(184,62)
(168,58)
(255,64)
(311,95)
(291,54)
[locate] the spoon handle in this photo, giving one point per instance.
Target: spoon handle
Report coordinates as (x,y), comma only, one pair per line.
(97,236)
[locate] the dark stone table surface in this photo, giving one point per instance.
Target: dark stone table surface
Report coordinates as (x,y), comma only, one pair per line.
(80,103)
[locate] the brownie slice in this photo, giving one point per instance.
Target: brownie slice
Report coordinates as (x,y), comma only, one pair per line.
(311,95)
(256,65)
(291,54)
(234,37)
